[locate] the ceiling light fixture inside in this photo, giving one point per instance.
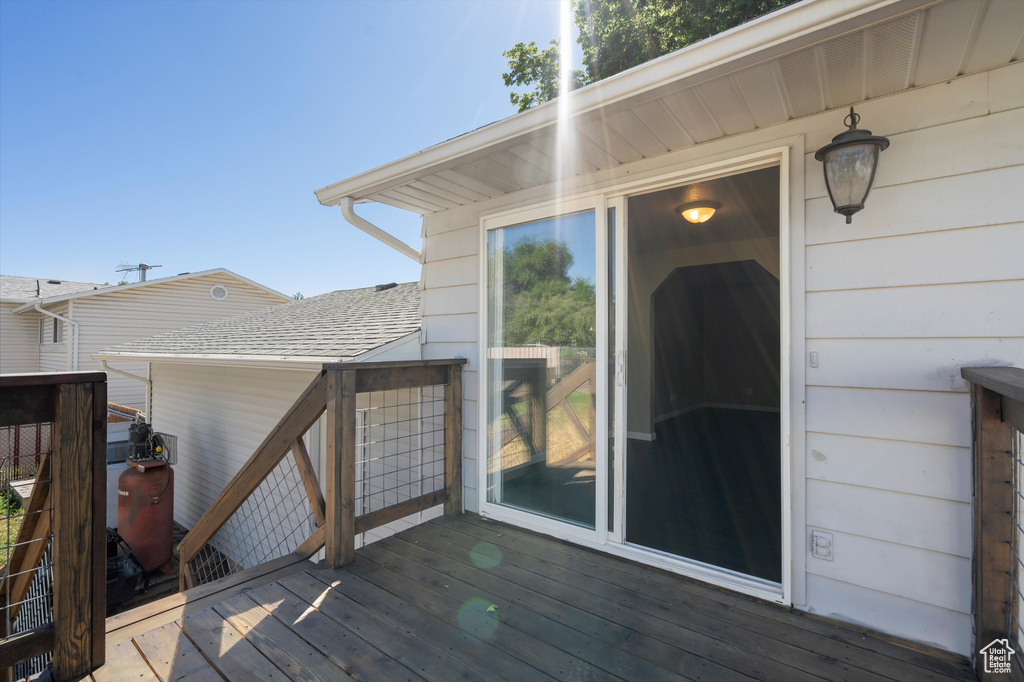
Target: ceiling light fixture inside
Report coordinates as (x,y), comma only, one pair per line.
(699,211)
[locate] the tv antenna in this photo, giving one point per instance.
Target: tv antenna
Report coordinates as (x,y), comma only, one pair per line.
(141,268)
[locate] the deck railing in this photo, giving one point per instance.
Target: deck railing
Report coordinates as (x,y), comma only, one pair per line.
(393,448)
(997,404)
(52,544)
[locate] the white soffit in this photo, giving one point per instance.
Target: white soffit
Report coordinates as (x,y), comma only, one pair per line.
(919,47)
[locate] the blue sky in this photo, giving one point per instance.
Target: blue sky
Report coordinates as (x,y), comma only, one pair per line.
(191,134)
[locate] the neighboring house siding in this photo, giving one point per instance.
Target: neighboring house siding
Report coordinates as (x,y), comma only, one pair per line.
(122,316)
(54,357)
(220,416)
(930,277)
(19,340)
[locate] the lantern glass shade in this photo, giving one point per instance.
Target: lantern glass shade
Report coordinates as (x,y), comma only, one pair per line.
(849,172)
(850,162)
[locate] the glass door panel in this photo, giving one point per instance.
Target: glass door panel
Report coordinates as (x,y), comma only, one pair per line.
(542,400)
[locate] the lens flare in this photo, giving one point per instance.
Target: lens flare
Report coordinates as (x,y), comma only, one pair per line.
(478,618)
(485,555)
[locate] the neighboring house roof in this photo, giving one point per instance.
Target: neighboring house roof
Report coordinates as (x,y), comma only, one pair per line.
(335,326)
(14,289)
(65,296)
(805,59)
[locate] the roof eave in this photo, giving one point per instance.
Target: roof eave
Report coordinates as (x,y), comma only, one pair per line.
(764,38)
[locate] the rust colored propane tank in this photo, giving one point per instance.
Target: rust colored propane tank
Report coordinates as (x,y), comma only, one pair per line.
(145,514)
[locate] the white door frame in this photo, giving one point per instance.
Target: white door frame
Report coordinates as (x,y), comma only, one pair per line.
(788,155)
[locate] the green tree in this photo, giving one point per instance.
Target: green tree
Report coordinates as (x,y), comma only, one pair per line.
(543,304)
(298,296)
(616,35)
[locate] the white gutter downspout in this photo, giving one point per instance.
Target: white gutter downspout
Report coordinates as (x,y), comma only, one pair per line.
(74,326)
(377,233)
(148,382)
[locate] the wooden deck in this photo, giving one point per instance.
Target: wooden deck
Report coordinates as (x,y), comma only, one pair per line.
(465,599)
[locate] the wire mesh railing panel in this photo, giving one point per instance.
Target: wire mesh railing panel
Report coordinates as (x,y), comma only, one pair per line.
(272,522)
(21,450)
(26,579)
(400,444)
(36,611)
(1015,610)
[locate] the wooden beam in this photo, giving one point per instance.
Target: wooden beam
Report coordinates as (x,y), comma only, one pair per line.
(98,558)
(575,421)
(17,648)
(72,531)
(993,518)
(399,511)
(453,441)
(309,481)
(26,405)
(341,468)
(299,418)
(312,544)
(33,536)
(570,384)
(391,378)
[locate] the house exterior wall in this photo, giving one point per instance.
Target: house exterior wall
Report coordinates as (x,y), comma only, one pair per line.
(220,416)
(121,316)
(928,278)
(19,340)
(55,357)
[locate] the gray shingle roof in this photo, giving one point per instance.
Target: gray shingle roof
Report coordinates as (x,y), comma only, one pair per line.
(24,288)
(341,324)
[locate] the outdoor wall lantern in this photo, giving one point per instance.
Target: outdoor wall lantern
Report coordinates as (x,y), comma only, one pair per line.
(699,211)
(850,162)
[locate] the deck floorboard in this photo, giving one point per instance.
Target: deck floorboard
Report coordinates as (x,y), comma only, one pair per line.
(468,599)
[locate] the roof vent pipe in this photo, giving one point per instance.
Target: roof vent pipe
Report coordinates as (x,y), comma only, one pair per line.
(377,233)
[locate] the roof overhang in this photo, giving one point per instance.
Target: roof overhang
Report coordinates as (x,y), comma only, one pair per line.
(304,362)
(224,360)
(808,58)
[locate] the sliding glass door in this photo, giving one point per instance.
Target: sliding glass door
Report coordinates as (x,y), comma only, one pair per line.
(545,445)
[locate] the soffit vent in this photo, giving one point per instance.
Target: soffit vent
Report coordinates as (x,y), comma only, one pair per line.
(844,69)
(832,75)
(801,82)
(892,54)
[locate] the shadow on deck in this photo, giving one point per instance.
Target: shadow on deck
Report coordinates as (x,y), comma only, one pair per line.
(462,598)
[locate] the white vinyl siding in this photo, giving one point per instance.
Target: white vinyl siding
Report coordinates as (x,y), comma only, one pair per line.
(927,279)
(55,357)
(19,340)
(121,316)
(220,416)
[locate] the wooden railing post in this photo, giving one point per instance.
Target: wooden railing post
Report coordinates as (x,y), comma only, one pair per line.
(453,441)
(341,468)
(993,515)
(76,553)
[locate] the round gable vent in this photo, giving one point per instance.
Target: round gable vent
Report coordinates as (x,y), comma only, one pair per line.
(218,292)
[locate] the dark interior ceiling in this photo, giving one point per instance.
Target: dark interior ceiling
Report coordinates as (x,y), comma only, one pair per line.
(750,210)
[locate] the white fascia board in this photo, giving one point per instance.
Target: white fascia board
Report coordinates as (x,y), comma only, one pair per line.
(767,37)
(225,360)
(136,285)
